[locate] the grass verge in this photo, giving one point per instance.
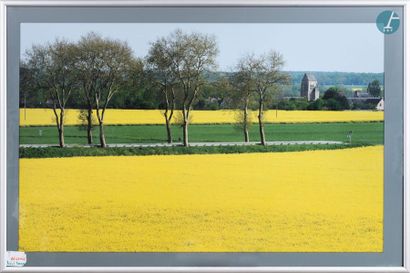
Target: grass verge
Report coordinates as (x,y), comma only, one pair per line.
(51,152)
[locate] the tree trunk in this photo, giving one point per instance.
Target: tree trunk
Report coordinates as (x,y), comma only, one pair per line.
(169,133)
(185,134)
(103,144)
(61,136)
(90,126)
(261,127)
(246,133)
(61,130)
(185,113)
(245,123)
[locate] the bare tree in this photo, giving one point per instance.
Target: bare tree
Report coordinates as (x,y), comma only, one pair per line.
(267,77)
(193,55)
(52,66)
(243,87)
(88,62)
(160,60)
(268,80)
(103,65)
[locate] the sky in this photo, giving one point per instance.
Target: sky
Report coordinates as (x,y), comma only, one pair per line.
(339,47)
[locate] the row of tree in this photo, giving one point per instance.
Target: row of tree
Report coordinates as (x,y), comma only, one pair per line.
(94,69)
(213,96)
(96,66)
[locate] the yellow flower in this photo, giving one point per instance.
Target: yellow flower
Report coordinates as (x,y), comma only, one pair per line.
(313,201)
(121,116)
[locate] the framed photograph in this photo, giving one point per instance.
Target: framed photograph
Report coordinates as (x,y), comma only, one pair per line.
(204,136)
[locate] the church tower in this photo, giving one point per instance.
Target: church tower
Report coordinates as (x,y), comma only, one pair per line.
(309,88)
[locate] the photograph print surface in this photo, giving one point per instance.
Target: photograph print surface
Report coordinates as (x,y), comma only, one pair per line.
(201,137)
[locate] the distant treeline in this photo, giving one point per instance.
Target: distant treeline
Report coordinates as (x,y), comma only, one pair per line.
(339,78)
(324,78)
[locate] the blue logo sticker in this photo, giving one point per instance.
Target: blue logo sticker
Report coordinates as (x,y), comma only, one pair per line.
(388,22)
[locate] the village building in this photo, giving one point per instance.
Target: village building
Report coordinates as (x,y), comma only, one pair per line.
(309,88)
(361,94)
(365,97)
(380,105)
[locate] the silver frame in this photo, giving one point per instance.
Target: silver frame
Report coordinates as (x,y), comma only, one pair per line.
(4,4)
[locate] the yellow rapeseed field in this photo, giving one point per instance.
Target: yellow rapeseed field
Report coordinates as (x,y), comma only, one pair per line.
(121,116)
(316,201)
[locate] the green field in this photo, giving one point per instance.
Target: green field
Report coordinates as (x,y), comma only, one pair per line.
(369,133)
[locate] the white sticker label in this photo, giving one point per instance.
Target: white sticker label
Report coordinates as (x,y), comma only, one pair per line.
(15,258)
